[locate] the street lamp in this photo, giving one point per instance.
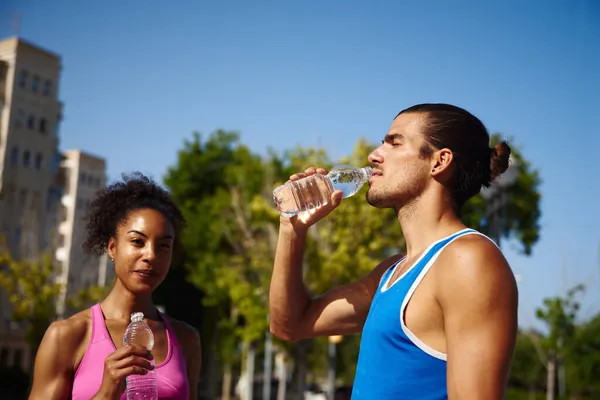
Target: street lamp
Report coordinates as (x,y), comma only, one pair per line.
(334,340)
(496,198)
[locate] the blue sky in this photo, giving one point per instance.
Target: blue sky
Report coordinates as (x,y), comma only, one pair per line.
(139,77)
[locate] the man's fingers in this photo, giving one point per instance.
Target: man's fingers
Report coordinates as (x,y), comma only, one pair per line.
(297,176)
(336,198)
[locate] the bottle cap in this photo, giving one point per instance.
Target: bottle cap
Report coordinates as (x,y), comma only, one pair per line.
(137,316)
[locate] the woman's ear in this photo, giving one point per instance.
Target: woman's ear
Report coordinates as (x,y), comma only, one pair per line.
(112,247)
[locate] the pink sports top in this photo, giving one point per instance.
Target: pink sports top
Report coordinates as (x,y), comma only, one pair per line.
(171,374)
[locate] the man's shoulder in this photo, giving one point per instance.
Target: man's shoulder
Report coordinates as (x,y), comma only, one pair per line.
(474,261)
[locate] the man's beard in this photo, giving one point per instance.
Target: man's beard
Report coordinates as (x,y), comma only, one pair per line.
(395,198)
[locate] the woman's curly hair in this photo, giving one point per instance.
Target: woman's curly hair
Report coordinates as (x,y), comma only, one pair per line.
(114,203)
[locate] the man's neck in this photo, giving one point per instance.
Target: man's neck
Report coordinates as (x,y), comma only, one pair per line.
(121,303)
(426,220)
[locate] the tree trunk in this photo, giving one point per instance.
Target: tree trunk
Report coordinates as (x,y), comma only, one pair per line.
(268,363)
(250,358)
(226,386)
(280,365)
(209,373)
(300,369)
(551,378)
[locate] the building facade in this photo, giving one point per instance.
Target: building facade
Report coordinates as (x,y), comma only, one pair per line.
(43,194)
(83,175)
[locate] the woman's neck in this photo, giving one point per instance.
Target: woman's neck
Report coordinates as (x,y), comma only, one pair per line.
(121,303)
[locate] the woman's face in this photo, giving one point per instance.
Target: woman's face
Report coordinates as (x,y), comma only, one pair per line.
(142,250)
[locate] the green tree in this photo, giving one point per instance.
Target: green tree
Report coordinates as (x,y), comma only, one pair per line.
(559,315)
(522,212)
(87,297)
(32,292)
(224,191)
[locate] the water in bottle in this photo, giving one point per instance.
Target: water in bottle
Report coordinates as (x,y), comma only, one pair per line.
(141,386)
(315,190)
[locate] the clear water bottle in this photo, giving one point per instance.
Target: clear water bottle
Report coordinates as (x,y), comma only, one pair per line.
(315,190)
(141,386)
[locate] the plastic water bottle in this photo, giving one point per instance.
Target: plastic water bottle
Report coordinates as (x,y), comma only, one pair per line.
(141,386)
(315,190)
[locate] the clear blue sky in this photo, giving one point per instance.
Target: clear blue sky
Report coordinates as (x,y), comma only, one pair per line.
(140,76)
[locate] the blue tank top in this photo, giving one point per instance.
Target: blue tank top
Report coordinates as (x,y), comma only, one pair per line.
(393,363)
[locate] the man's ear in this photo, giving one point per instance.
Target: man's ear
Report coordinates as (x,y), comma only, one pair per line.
(441,162)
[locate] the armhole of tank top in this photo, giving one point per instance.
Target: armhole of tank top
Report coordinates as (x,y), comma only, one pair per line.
(90,342)
(172,341)
(413,338)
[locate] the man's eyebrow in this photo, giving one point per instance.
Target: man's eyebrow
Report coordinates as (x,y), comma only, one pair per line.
(393,136)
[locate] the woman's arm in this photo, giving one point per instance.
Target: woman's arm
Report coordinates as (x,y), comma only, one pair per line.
(54,362)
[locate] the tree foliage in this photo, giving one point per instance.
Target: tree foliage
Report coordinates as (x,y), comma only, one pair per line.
(32,292)
(522,213)
(225,192)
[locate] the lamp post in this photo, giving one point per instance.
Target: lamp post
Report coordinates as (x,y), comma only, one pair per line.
(333,342)
(496,198)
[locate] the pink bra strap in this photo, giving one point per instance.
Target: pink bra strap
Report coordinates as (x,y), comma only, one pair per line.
(98,325)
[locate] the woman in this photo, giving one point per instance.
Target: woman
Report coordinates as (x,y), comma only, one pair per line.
(82,357)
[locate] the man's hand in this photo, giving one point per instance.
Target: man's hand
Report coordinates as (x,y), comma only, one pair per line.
(300,223)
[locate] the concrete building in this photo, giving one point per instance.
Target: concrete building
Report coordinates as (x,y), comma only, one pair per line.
(30,113)
(82,176)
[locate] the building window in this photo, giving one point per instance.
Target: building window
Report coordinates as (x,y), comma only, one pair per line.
(42,125)
(90,180)
(38,161)
(23,197)
(82,178)
(26,158)
(47,87)
(23,79)
(19,118)
(17,236)
(35,83)
(14,156)
(31,122)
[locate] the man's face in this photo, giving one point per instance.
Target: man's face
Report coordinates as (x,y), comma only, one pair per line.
(400,172)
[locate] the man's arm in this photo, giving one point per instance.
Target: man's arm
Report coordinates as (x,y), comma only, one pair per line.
(478,295)
(53,370)
(294,315)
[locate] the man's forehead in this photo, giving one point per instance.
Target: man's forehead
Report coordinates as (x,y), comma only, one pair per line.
(407,125)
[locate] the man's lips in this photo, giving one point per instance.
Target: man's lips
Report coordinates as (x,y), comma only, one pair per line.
(376,173)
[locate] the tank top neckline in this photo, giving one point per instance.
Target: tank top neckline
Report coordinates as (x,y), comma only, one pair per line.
(105,331)
(387,285)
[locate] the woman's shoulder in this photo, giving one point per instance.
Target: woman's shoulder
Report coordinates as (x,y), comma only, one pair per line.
(72,328)
(186,334)
(70,332)
(67,334)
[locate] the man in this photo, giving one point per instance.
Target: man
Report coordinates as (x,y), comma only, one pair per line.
(440,321)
